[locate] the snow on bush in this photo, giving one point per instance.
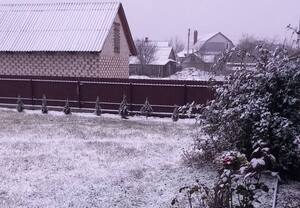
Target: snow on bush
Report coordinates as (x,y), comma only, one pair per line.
(260,109)
(20,105)
(98,110)
(146,109)
(67,108)
(44,105)
(123,109)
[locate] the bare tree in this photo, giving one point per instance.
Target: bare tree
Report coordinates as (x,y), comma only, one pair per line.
(176,44)
(146,51)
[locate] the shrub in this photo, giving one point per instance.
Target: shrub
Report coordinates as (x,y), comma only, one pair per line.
(260,110)
(67,108)
(20,104)
(175,115)
(146,110)
(98,110)
(238,185)
(44,105)
(123,109)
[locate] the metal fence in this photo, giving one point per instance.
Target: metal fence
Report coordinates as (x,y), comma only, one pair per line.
(82,92)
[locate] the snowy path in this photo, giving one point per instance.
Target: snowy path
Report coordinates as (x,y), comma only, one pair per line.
(85,161)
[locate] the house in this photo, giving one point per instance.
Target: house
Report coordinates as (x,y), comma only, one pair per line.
(163,64)
(65,39)
(193,60)
(208,48)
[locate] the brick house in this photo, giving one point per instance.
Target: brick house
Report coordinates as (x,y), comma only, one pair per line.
(65,39)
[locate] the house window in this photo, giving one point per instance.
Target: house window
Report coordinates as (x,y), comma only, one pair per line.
(117,37)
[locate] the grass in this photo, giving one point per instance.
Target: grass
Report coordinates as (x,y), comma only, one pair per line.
(88,161)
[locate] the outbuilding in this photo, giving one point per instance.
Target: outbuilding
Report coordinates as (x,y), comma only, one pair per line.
(65,39)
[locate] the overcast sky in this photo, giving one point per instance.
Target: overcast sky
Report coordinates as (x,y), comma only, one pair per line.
(163,19)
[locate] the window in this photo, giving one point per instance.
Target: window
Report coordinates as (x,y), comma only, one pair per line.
(117,37)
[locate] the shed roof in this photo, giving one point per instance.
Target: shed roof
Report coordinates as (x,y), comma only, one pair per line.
(59,26)
(161,57)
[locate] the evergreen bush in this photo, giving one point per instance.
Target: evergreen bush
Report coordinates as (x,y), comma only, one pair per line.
(98,110)
(175,115)
(146,109)
(20,104)
(44,105)
(123,109)
(67,108)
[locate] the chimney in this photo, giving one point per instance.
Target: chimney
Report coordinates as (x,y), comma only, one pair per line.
(146,39)
(195,37)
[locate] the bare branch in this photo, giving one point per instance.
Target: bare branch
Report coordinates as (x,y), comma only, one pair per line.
(146,51)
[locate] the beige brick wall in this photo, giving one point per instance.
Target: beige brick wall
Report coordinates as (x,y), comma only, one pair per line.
(106,64)
(63,64)
(108,48)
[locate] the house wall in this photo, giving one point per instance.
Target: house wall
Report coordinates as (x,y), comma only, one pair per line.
(81,64)
(106,64)
(217,44)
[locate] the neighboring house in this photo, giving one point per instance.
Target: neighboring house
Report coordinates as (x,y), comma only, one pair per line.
(194,61)
(65,39)
(208,48)
(164,63)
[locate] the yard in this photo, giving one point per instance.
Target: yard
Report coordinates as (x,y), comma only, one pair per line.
(87,161)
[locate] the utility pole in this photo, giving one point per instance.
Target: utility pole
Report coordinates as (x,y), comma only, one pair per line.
(188,48)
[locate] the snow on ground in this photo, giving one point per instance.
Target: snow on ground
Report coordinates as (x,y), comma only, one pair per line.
(187,74)
(87,161)
(196,74)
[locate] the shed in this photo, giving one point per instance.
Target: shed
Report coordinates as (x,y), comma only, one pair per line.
(164,62)
(86,39)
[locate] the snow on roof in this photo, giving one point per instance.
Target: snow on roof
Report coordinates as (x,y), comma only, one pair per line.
(203,40)
(56,26)
(161,57)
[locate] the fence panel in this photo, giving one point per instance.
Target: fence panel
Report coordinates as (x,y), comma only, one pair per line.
(162,94)
(199,94)
(110,94)
(56,92)
(161,97)
(10,89)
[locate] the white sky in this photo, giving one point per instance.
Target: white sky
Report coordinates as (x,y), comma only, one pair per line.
(163,19)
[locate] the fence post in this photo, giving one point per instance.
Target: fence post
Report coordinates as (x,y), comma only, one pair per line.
(79,94)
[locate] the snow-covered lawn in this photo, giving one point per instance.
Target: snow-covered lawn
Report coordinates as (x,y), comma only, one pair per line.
(87,161)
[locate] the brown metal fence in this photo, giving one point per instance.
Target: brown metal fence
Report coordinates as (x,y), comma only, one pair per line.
(82,92)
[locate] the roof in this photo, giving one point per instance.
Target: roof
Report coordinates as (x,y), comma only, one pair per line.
(161,57)
(59,26)
(206,38)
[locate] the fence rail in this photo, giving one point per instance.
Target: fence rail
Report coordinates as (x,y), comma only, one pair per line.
(82,92)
